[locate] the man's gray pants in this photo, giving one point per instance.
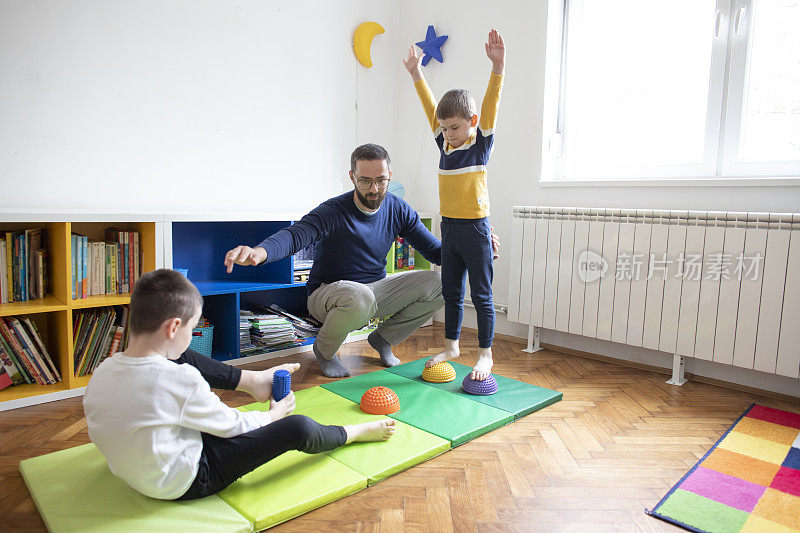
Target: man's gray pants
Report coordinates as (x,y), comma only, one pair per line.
(409,298)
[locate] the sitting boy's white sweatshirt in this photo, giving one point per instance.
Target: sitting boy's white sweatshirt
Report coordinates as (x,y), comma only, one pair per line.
(145,414)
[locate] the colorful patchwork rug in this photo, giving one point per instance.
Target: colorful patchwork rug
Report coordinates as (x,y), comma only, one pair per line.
(749,480)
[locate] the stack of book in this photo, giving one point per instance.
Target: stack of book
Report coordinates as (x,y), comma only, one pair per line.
(304,327)
(245,341)
(271,331)
(110,267)
(23,265)
(24,357)
(98,333)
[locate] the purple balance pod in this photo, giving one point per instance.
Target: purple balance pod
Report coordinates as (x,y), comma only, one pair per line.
(281,385)
(481,388)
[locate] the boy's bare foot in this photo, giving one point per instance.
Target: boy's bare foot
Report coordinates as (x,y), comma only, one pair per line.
(258,383)
(451,351)
(285,407)
(370,431)
(483,368)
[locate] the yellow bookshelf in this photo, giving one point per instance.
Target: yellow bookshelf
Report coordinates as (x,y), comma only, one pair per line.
(53,314)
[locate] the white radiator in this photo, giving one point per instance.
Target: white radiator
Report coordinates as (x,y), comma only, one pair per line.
(719,286)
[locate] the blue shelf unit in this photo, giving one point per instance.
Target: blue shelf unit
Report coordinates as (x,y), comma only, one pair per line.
(201,248)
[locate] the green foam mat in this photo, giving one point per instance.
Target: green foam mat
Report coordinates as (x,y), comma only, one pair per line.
(513,396)
(290,485)
(75,491)
(409,446)
(427,408)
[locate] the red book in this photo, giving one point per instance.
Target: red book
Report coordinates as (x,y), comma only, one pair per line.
(5,379)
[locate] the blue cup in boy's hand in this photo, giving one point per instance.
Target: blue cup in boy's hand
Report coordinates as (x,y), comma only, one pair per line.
(281,384)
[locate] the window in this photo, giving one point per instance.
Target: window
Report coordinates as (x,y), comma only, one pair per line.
(682,89)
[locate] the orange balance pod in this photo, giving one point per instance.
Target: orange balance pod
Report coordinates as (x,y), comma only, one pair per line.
(380,401)
(439,373)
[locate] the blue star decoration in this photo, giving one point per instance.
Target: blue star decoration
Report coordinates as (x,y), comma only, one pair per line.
(431,46)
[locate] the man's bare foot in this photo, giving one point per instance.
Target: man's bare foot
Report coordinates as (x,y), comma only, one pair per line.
(451,351)
(483,368)
(370,431)
(258,383)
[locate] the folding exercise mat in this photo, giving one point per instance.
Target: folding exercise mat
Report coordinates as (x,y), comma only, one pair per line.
(74,490)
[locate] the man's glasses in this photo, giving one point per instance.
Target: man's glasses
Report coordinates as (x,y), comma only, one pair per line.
(366,184)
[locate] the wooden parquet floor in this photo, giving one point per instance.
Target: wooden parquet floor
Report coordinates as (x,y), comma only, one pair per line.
(614,445)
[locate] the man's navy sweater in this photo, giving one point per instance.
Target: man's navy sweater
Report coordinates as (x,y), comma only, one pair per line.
(353,245)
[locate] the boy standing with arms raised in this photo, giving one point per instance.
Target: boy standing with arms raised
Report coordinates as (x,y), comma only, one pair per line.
(465,144)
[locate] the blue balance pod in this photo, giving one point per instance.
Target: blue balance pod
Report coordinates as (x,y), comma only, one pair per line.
(481,388)
(281,385)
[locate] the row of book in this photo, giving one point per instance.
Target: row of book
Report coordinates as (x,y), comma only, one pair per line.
(24,357)
(403,254)
(23,265)
(98,333)
(110,267)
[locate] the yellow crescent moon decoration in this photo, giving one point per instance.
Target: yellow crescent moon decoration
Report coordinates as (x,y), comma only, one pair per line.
(362,41)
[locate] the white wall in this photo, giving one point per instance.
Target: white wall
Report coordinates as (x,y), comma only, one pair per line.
(184,105)
(256,105)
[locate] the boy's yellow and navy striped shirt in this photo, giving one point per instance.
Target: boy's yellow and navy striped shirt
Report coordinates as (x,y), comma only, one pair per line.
(462,171)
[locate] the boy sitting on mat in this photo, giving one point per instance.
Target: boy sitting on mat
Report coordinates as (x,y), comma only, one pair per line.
(159,425)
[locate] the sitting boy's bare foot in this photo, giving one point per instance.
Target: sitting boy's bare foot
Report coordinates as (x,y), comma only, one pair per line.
(370,431)
(258,383)
(450,351)
(483,368)
(285,407)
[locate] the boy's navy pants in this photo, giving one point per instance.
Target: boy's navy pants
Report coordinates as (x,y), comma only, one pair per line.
(467,249)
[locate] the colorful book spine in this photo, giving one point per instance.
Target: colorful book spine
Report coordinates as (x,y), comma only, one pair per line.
(74,264)
(41,265)
(114,279)
(23,268)
(10,265)
(136,259)
(3,278)
(126,261)
(85,272)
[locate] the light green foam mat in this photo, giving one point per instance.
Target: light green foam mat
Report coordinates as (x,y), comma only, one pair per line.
(290,485)
(514,396)
(428,408)
(409,446)
(75,491)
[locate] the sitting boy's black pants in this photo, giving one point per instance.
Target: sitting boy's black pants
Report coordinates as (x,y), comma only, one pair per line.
(223,461)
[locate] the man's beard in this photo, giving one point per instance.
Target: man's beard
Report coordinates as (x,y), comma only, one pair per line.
(373,202)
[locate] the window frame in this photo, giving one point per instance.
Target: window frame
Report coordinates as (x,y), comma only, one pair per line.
(725,108)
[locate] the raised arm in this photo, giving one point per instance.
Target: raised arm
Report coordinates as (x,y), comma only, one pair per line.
(496,52)
(423,91)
